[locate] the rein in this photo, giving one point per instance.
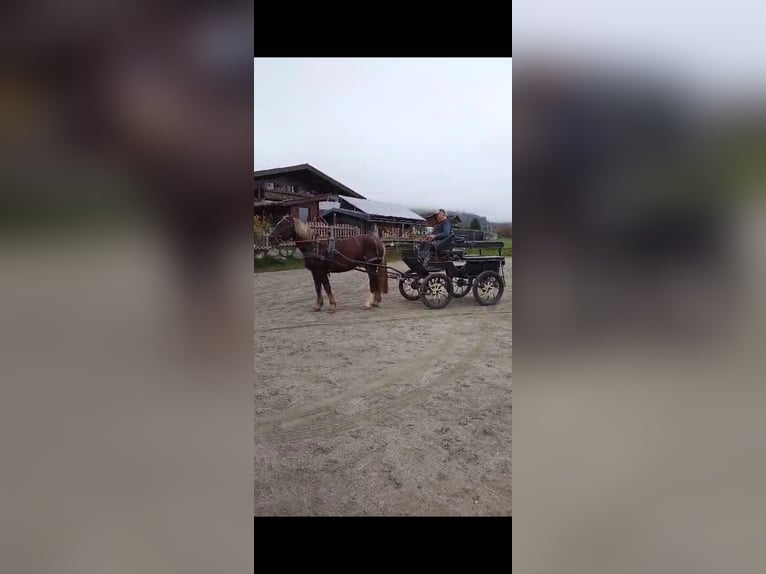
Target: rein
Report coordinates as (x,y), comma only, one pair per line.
(335,252)
(317,240)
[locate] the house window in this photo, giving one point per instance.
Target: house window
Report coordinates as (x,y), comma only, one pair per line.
(303,213)
(269,185)
(292,188)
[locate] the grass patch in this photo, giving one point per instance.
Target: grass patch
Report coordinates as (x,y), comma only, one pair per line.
(507,250)
(269,264)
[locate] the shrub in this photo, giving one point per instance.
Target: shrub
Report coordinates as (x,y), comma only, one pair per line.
(261,228)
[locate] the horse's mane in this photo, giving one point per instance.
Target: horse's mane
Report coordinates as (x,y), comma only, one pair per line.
(302,230)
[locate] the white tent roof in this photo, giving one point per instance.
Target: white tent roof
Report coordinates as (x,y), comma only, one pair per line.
(382,208)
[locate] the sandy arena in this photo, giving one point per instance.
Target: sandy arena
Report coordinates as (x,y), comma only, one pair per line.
(396,410)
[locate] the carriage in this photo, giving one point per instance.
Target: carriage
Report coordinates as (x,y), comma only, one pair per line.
(453,274)
(449,274)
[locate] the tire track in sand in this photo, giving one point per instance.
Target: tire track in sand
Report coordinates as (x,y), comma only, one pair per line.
(429,314)
(296,429)
(316,407)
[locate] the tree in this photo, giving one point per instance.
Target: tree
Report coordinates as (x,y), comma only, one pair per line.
(475,224)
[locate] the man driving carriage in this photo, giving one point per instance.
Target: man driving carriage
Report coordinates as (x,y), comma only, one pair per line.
(441,232)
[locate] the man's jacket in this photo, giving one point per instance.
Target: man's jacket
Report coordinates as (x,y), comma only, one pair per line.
(442,230)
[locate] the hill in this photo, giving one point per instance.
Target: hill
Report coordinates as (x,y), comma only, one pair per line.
(465,216)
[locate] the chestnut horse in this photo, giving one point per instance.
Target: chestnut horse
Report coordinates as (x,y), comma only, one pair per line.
(359,251)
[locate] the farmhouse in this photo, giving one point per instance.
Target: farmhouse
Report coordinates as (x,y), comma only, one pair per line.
(310,195)
(296,190)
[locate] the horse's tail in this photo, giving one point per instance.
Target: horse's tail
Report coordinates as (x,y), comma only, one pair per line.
(383,272)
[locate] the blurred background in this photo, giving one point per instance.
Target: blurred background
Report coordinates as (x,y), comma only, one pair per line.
(639,171)
(126,327)
(126,409)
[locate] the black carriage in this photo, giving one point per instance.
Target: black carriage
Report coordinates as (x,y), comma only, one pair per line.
(451,273)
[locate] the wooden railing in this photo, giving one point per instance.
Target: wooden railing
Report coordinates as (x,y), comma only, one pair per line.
(321,230)
(342,230)
(386,234)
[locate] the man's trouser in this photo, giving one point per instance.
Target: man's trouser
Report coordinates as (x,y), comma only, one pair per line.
(426,249)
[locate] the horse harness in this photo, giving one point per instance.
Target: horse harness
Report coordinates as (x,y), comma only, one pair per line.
(331,252)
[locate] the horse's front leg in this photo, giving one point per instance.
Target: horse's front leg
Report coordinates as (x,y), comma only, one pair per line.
(371,302)
(328,289)
(318,288)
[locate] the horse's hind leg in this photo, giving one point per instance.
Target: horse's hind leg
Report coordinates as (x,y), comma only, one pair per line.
(318,288)
(326,283)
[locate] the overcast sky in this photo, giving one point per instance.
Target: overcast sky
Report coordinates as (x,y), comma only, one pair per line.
(420,132)
(706,45)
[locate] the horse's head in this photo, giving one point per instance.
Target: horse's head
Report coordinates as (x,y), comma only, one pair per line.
(284,231)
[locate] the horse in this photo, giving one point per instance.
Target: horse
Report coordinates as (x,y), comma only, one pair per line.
(346,255)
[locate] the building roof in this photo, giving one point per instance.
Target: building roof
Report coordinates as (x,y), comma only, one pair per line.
(383,209)
(354,214)
(298,201)
(314,172)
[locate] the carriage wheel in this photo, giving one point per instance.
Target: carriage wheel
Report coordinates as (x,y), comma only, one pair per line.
(409,286)
(436,291)
(461,286)
(488,288)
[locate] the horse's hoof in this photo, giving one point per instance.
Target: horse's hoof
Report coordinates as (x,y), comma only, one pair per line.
(376,304)
(366,306)
(331,310)
(316,308)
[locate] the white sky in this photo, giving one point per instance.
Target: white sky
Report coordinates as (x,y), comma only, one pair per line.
(421,132)
(716,47)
